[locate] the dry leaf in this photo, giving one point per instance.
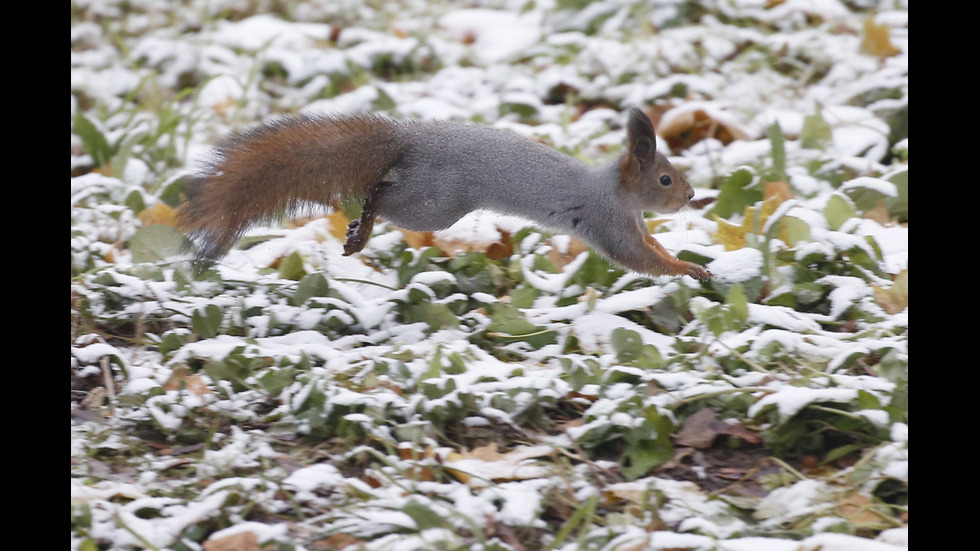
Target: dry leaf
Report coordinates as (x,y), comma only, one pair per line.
(877,40)
(182,378)
(245,541)
(574,248)
(859,510)
(684,129)
(339,541)
(338,224)
(732,236)
(159,213)
(418,239)
(479,466)
(896,298)
(701,429)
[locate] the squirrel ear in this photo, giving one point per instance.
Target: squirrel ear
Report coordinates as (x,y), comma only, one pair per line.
(640,135)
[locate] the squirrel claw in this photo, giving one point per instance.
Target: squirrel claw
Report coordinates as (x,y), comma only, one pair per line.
(697,272)
(356,238)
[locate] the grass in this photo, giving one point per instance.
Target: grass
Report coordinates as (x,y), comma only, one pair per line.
(515,393)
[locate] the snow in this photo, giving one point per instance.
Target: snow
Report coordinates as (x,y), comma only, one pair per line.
(496,35)
(512,54)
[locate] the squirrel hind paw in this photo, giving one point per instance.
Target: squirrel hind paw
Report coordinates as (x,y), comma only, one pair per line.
(356,237)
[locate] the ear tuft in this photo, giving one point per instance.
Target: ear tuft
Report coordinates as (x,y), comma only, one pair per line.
(640,135)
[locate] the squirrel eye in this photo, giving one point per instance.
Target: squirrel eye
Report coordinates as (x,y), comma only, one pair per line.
(665,180)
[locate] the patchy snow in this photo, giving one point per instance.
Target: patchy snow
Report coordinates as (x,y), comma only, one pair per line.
(383,374)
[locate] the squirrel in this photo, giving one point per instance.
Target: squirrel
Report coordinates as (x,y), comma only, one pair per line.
(424,175)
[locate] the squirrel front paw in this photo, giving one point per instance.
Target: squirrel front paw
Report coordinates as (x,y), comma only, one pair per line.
(696,271)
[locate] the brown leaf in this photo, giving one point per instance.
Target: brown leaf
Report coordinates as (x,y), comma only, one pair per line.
(895,298)
(183,379)
(561,259)
(701,429)
(244,541)
(697,431)
(690,127)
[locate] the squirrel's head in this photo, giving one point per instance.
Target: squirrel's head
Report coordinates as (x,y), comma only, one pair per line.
(646,175)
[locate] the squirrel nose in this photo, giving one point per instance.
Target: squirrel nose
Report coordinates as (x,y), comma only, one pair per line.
(690,195)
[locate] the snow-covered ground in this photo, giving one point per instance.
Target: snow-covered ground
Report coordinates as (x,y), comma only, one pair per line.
(374,362)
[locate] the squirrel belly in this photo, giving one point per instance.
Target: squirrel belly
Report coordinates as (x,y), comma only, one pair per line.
(426,175)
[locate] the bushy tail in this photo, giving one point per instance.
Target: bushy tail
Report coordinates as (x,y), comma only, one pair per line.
(264,172)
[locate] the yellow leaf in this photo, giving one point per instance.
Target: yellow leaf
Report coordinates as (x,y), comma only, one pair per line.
(877,40)
(338,224)
(732,236)
(159,213)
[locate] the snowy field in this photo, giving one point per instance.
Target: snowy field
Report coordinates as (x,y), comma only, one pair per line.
(494,386)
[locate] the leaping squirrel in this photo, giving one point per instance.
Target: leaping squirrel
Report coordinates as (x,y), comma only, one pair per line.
(426,175)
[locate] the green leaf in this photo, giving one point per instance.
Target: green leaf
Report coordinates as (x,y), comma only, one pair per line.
(311,285)
(509,324)
(275,380)
(816,133)
(292,267)
(524,296)
(631,350)
(627,344)
(797,231)
(838,211)
(93,141)
(156,243)
(424,517)
(898,207)
(436,315)
(778,171)
(207,321)
(738,305)
(581,517)
(736,194)
(866,198)
(647,445)
(172,342)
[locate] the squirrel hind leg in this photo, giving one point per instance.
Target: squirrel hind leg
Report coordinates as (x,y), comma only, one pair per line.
(359,229)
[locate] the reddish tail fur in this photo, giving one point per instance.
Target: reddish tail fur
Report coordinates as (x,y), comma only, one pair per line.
(269,170)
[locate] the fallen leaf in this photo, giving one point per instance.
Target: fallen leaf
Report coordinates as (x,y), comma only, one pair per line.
(701,429)
(480,466)
(244,541)
(877,40)
(732,236)
(418,239)
(183,379)
(574,248)
(895,298)
(859,510)
(338,224)
(159,213)
(684,129)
